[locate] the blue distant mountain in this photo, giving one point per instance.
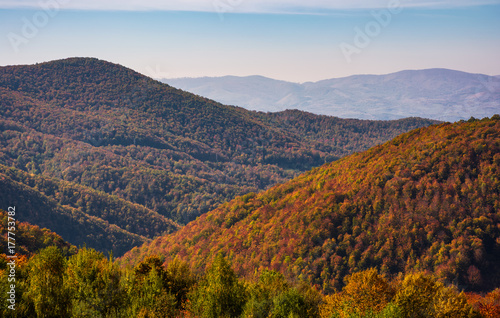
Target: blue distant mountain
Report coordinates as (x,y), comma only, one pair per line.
(440,94)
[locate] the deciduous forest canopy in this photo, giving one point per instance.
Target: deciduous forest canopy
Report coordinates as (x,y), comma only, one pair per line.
(427,200)
(113,158)
(216,211)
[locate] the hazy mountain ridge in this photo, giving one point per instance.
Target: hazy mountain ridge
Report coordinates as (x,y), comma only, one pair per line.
(439,94)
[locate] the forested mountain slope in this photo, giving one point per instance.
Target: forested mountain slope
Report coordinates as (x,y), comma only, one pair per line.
(80,214)
(107,127)
(74,225)
(29,238)
(427,200)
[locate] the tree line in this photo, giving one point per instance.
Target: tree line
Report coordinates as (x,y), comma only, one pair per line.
(88,284)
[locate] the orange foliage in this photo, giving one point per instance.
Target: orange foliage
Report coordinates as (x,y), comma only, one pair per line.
(488,305)
(427,200)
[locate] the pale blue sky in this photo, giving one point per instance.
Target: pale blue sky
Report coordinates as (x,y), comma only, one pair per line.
(282,39)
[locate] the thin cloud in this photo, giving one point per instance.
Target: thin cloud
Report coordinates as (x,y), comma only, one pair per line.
(234,6)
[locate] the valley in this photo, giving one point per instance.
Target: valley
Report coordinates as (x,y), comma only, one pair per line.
(136,199)
(149,158)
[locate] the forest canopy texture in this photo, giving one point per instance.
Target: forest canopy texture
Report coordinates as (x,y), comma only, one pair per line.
(119,158)
(184,191)
(427,200)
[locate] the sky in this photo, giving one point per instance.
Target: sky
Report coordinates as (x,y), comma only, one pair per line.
(290,40)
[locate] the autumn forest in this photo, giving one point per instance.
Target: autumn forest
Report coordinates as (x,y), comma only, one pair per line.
(121,196)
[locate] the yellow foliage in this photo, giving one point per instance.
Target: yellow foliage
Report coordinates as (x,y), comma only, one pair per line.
(367,294)
(367,290)
(416,295)
(364,291)
(451,304)
(421,295)
(332,305)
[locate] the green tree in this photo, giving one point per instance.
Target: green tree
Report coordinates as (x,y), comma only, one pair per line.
(148,292)
(178,281)
(289,304)
(23,306)
(94,283)
(46,286)
(272,296)
(220,293)
(261,294)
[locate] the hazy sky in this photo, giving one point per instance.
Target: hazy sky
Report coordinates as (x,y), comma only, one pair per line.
(284,39)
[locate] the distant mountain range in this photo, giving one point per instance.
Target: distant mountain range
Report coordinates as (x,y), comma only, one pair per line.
(439,94)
